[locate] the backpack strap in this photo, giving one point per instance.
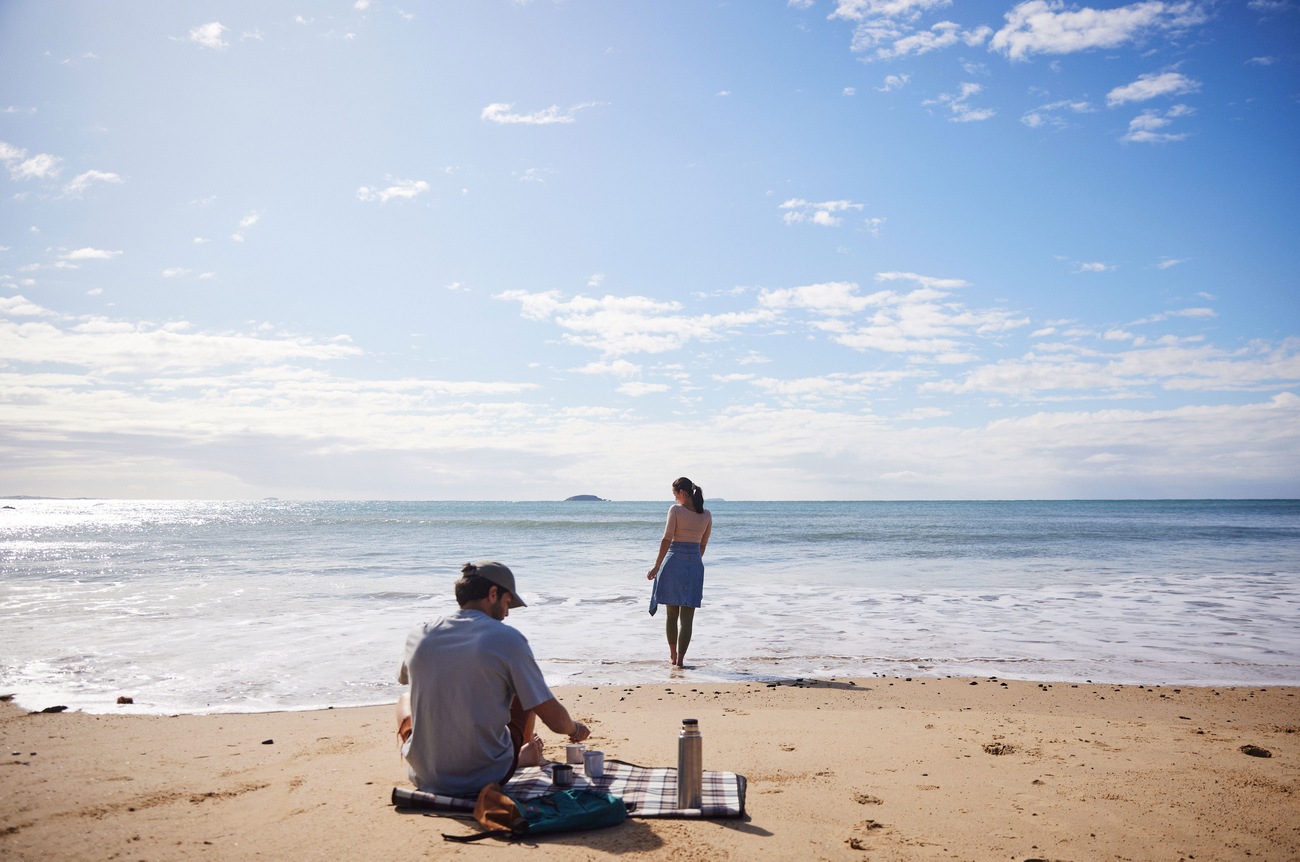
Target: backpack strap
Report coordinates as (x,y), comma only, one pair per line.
(479,836)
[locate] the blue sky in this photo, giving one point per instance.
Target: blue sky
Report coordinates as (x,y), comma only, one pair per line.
(482,249)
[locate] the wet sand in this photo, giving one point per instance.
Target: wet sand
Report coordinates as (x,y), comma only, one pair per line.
(867,769)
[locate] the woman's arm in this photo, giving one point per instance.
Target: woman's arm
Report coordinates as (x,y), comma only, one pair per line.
(704,540)
(659,561)
(667,540)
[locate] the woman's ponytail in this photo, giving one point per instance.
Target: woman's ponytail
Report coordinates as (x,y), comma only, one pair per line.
(696,492)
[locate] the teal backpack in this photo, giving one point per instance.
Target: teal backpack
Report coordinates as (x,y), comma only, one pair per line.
(570,810)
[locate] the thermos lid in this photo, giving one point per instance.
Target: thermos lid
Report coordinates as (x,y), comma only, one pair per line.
(690,721)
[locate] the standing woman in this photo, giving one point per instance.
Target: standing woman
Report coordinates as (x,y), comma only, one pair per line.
(679,567)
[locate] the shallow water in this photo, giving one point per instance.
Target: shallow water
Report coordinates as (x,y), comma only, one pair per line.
(249,606)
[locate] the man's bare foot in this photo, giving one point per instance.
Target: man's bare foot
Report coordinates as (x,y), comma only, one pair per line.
(531,753)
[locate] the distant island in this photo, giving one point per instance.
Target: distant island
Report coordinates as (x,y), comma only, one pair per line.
(585,498)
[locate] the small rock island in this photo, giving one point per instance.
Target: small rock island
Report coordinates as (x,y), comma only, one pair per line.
(585,498)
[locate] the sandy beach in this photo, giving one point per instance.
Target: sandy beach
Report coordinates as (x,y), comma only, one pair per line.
(879,769)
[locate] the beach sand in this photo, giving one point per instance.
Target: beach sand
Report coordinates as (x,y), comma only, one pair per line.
(867,769)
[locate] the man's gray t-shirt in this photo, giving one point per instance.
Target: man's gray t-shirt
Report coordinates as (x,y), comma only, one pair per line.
(463,671)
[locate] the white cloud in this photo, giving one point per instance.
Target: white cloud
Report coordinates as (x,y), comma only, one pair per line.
(20,306)
(922,322)
(82,181)
(945,34)
(503,112)
(636,389)
(1095,266)
(962,111)
(175,272)
(41,166)
(617,368)
(894,82)
(1047,27)
(400,190)
(1148,127)
(106,346)
(825,213)
(623,325)
(90,254)
(1050,114)
(209,36)
(1082,373)
(1151,86)
(1195,313)
(832,389)
(245,223)
(1269,7)
(1170,262)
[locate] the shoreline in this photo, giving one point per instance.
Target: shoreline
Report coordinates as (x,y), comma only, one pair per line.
(871,768)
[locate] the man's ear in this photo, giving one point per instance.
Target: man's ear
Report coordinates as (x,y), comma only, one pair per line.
(494,594)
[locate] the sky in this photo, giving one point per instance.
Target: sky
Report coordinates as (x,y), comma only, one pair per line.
(484,249)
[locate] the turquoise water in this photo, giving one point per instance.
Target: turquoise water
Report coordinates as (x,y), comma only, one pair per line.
(244,606)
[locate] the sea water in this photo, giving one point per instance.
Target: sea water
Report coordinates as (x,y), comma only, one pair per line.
(271,605)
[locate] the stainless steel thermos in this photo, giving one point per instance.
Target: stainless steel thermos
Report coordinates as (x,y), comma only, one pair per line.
(690,765)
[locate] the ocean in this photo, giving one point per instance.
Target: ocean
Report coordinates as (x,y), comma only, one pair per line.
(203,607)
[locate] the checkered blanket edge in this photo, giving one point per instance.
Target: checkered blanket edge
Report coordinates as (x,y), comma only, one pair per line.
(648,791)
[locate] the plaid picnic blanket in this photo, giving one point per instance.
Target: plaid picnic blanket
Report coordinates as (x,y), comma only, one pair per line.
(648,791)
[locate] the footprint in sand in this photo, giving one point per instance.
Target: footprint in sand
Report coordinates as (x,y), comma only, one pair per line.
(867,799)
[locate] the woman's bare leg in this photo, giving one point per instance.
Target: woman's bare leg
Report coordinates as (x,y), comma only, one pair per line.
(670,628)
(687,623)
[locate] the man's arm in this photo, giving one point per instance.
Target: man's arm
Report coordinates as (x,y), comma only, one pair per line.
(557,718)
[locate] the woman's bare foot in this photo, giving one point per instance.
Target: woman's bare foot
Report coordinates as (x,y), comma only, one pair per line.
(672,656)
(531,753)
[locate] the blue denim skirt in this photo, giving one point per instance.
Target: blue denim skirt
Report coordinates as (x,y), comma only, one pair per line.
(681,578)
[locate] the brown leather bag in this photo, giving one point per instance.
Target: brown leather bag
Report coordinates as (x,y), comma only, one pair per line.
(494,810)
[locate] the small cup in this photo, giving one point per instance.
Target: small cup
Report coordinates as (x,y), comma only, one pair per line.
(573,752)
(562,775)
(593,763)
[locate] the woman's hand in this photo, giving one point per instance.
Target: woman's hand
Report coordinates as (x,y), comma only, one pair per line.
(650,575)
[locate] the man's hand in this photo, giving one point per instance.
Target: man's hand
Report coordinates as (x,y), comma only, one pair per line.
(556,717)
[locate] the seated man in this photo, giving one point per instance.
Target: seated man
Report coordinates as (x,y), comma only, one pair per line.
(476,692)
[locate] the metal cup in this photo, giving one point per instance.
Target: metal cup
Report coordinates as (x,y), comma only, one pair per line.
(593,763)
(562,775)
(573,752)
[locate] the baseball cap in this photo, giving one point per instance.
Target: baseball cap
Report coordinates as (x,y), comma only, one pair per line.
(499,574)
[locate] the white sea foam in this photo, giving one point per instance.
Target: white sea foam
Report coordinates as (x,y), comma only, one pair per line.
(212,607)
